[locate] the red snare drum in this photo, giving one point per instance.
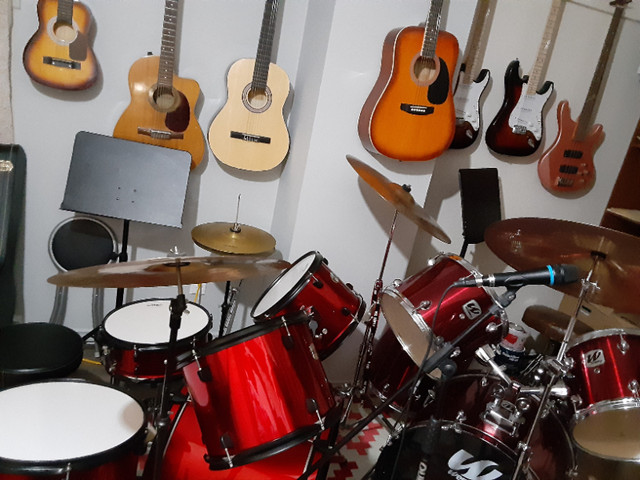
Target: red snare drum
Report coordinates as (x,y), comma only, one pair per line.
(605,382)
(311,286)
(58,428)
(409,308)
(258,391)
(135,338)
(481,424)
(184,456)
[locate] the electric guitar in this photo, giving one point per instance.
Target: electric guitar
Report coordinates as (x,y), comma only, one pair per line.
(409,115)
(471,84)
(567,166)
(517,128)
(58,54)
(161,111)
(250,132)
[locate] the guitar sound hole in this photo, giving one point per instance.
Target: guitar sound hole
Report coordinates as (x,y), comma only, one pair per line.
(257,100)
(164,99)
(62,33)
(425,70)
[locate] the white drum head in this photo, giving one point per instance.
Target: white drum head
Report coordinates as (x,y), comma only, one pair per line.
(147,322)
(283,286)
(65,420)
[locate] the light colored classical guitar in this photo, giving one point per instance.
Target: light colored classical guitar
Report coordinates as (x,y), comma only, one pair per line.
(517,127)
(567,166)
(58,54)
(409,115)
(250,132)
(161,111)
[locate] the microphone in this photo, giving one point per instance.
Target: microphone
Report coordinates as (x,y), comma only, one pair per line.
(550,275)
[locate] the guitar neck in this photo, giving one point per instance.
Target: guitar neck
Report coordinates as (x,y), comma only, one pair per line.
(265,46)
(65,11)
(535,76)
(472,56)
(431,30)
(168,46)
(586,115)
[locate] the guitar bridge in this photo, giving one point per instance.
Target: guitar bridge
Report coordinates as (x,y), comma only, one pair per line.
(416,109)
(564,182)
(160,134)
(248,137)
(61,62)
(520,130)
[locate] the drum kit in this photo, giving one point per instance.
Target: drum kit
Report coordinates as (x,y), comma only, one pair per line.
(258,398)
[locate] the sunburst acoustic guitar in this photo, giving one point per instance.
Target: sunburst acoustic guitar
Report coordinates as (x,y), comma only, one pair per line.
(59,53)
(250,132)
(409,114)
(567,166)
(161,111)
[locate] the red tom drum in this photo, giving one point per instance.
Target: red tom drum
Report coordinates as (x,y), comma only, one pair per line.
(309,285)
(410,307)
(258,391)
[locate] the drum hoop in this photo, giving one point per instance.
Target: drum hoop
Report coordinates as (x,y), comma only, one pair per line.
(241,336)
(293,292)
(473,271)
(87,462)
(104,337)
(607,332)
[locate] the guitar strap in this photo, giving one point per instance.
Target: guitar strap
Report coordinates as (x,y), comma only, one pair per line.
(6,114)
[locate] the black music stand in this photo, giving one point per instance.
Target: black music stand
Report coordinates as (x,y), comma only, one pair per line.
(127,180)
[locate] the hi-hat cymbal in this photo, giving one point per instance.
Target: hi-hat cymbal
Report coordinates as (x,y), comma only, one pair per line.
(232,238)
(613,257)
(157,272)
(400,198)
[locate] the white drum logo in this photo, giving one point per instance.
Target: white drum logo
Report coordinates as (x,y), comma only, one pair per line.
(472,309)
(462,469)
(594,358)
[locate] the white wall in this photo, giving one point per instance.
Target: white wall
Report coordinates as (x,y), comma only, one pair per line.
(331,51)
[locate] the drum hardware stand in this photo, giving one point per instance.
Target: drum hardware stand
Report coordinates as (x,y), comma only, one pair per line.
(428,364)
(558,367)
(360,379)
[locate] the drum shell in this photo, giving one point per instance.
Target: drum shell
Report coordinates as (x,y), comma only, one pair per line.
(410,307)
(261,377)
(333,305)
(142,361)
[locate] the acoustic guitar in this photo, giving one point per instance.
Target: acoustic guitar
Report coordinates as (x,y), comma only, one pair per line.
(517,127)
(471,82)
(58,54)
(409,115)
(567,166)
(161,111)
(250,132)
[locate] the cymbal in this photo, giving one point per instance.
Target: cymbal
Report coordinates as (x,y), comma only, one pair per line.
(157,272)
(400,198)
(232,238)
(613,257)
(552,323)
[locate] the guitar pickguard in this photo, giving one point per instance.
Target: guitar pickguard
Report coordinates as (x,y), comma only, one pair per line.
(467,101)
(527,114)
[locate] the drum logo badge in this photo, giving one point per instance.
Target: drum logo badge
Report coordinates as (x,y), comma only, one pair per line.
(594,358)
(461,469)
(472,309)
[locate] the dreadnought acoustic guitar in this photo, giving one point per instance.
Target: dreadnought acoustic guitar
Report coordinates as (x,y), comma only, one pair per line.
(250,132)
(161,111)
(517,128)
(409,115)
(58,54)
(471,82)
(567,166)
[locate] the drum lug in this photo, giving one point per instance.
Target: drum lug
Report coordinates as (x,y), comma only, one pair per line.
(67,471)
(135,352)
(227,443)
(633,387)
(312,407)
(204,374)
(623,346)
(576,401)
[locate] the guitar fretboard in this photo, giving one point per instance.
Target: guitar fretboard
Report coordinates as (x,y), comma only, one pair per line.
(265,46)
(535,76)
(168,45)
(431,29)
(65,11)
(472,57)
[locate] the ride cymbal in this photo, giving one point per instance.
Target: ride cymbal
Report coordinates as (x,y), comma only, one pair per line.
(233,238)
(612,257)
(157,272)
(400,198)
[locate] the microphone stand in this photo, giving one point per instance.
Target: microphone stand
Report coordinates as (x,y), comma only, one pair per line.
(428,365)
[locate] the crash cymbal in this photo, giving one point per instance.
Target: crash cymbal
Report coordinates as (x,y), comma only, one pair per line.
(613,257)
(232,238)
(158,272)
(399,197)
(552,323)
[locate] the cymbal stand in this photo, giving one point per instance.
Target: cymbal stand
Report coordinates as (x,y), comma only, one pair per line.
(178,306)
(558,367)
(360,379)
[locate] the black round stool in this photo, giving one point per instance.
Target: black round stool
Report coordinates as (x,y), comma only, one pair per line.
(36,351)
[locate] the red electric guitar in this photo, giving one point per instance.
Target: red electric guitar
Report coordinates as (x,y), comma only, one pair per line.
(517,128)
(58,54)
(409,115)
(162,105)
(567,166)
